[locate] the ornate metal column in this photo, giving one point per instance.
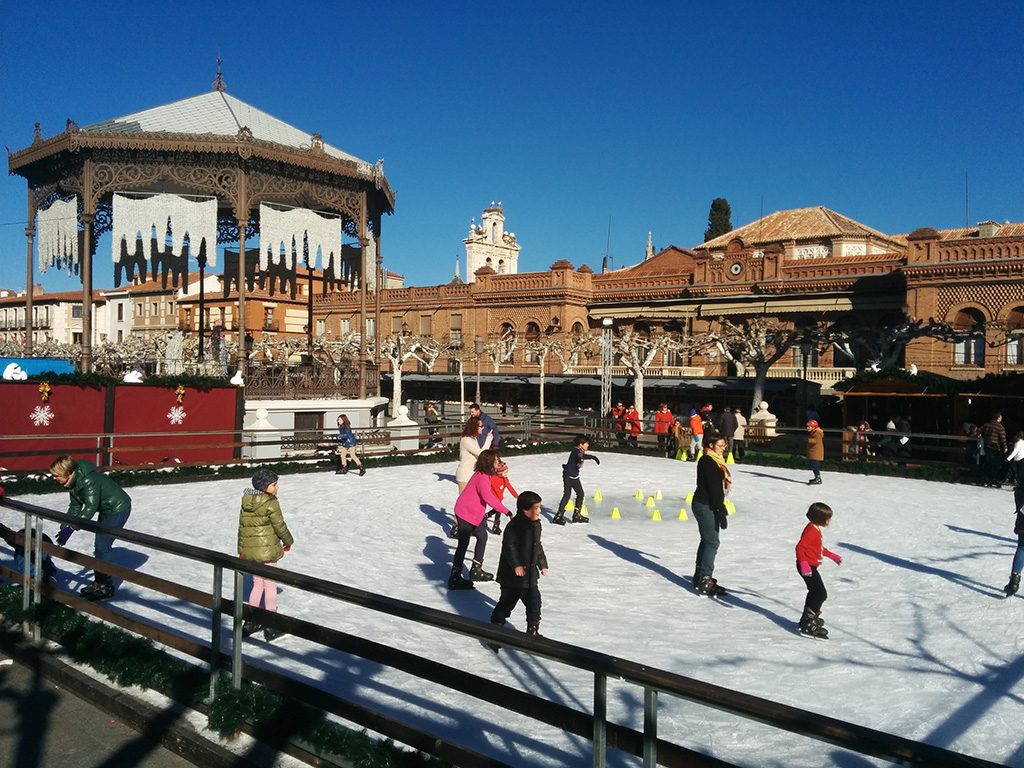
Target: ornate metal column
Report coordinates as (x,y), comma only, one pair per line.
(86,256)
(242,219)
(381,280)
(607,358)
(363,243)
(30,234)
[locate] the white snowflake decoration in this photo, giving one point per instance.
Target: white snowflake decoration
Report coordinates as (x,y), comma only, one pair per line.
(42,415)
(176,415)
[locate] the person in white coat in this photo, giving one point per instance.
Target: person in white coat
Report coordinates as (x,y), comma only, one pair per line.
(469,450)
(1014,459)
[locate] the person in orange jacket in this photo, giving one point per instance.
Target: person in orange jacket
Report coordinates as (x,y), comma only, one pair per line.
(663,429)
(500,484)
(696,433)
(633,426)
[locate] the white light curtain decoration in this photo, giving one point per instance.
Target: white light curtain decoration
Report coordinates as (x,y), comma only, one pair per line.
(57,241)
(278,229)
(135,216)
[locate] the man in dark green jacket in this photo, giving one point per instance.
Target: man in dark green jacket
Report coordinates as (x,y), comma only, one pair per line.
(92,493)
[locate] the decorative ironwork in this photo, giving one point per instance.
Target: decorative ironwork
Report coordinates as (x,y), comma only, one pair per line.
(302,382)
(227,229)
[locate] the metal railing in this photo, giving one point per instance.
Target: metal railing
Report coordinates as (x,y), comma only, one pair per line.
(604,735)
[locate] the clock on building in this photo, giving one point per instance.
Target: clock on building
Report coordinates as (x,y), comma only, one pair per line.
(735,268)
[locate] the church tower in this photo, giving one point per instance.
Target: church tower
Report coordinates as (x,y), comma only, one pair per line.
(489,245)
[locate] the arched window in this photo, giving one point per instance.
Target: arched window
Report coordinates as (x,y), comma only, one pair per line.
(970,348)
(577,329)
(1015,329)
(501,266)
(532,334)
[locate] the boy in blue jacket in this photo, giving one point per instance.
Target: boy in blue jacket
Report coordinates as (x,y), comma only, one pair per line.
(571,481)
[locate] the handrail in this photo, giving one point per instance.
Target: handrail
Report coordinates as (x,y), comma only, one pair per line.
(831,730)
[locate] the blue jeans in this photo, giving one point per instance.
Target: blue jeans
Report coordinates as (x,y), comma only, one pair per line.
(1018,556)
(105,541)
(708,547)
(815,467)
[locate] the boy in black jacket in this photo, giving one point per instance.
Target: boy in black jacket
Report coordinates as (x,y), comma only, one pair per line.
(522,564)
(571,481)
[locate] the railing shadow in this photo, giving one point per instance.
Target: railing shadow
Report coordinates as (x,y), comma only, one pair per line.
(952,576)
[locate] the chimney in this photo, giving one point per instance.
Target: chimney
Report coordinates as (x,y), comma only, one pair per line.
(987,229)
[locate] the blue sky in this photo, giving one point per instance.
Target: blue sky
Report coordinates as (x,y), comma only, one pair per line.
(570,114)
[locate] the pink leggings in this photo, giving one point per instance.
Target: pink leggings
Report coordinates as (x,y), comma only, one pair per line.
(266,589)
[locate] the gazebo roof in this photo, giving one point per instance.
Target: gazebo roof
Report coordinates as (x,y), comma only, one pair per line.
(215,113)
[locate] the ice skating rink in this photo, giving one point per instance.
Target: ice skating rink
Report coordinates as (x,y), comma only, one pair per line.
(923,643)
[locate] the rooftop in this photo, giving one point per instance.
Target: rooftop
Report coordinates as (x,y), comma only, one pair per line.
(799,224)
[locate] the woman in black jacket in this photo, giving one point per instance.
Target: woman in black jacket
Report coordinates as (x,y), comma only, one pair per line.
(713,482)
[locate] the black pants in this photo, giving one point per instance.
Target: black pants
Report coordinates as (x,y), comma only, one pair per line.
(816,592)
(667,445)
(510,596)
(569,485)
(465,531)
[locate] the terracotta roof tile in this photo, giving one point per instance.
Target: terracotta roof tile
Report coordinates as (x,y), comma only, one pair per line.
(796,224)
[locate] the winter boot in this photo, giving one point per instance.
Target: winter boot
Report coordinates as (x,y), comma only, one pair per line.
(102,588)
(455,580)
(250,628)
(362,470)
(814,481)
(477,573)
(579,517)
(559,518)
(809,625)
(1013,585)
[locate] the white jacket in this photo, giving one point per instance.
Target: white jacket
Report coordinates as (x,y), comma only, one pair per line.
(1017,453)
(469,449)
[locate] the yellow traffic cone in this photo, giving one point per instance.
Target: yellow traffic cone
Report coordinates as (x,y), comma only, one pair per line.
(657,495)
(597,496)
(729,459)
(656,516)
(650,501)
(684,456)
(639,494)
(682,513)
(570,505)
(615,514)
(689,499)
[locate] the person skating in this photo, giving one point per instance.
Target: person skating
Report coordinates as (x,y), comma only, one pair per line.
(499,484)
(993,437)
(815,450)
(92,493)
(739,440)
(571,481)
(633,426)
(663,429)
(490,433)
(521,564)
(713,482)
(263,537)
(1018,528)
(347,443)
(470,511)
(469,453)
(696,434)
(809,551)
(728,426)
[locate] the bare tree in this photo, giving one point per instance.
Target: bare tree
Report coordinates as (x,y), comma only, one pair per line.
(637,351)
(576,346)
(539,349)
(882,346)
(398,348)
(500,350)
(756,344)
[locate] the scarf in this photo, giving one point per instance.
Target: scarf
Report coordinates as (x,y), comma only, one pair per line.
(726,476)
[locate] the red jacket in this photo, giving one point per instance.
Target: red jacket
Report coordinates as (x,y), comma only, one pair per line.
(499,484)
(663,422)
(633,422)
(810,548)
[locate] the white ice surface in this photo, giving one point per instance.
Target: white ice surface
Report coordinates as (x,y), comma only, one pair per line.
(923,644)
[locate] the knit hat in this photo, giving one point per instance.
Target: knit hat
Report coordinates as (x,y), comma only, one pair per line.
(812,424)
(262,478)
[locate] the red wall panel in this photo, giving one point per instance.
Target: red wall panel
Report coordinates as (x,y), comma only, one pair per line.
(70,410)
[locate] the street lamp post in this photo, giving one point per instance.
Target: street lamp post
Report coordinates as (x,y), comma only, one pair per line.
(806,348)
(478,347)
(606,366)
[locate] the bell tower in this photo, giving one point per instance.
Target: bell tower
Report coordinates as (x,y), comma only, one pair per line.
(489,245)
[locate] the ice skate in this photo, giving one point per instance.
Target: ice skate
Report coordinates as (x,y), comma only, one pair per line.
(272,634)
(1012,585)
(577,517)
(559,518)
(250,628)
(709,586)
(814,481)
(496,526)
(362,470)
(455,580)
(810,626)
(477,573)
(101,589)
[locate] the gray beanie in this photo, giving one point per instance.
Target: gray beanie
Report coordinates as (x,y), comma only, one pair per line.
(262,478)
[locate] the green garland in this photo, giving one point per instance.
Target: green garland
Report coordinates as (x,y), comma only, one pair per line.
(98,380)
(133,661)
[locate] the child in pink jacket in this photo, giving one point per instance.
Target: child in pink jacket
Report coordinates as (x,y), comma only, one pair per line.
(470,514)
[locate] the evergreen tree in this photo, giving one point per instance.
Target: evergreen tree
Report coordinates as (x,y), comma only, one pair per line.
(719,219)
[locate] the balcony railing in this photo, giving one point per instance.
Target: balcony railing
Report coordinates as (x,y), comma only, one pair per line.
(679,371)
(303,382)
(826,377)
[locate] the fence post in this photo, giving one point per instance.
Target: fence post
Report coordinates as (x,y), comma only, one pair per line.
(600,719)
(527,428)
(650,727)
(26,566)
(236,636)
(36,537)
(215,622)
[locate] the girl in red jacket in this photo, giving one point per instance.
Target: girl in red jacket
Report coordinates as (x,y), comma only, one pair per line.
(500,484)
(809,551)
